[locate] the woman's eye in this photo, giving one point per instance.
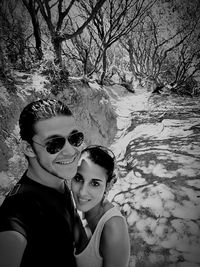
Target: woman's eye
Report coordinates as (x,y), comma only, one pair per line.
(78,178)
(94,183)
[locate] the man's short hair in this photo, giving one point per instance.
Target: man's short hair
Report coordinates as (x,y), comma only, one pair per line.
(37,111)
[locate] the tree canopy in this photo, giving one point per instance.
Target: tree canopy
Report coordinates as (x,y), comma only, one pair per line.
(155,40)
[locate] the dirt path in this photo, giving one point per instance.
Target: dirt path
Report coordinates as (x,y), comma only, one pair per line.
(158,151)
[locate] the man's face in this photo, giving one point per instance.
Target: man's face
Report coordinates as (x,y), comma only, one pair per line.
(62,164)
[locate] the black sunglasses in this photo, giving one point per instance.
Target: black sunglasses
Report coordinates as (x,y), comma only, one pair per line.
(56,144)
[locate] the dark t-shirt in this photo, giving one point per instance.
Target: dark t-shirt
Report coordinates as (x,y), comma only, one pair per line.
(46,218)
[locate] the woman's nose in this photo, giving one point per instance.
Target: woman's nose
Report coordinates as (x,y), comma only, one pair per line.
(83,190)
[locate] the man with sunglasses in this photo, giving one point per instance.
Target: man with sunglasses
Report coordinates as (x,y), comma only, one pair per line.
(37,216)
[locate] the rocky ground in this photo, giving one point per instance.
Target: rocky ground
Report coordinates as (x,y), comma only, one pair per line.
(158,151)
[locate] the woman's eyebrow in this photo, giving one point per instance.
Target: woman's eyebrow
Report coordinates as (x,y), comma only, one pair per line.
(97,179)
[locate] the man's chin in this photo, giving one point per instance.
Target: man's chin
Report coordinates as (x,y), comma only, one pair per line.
(68,174)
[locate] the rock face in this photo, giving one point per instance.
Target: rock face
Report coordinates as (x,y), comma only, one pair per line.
(88,101)
(91,106)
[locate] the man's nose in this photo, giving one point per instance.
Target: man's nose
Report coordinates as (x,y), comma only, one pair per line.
(68,148)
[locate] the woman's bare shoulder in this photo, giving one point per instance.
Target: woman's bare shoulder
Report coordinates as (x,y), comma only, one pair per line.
(115,242)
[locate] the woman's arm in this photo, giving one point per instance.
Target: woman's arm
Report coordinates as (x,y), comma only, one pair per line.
(115,243)
(12,246)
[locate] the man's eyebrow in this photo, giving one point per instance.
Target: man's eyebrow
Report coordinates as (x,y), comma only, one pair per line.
(58,135)
(52,137)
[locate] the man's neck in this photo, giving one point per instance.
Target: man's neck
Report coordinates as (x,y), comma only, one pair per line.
(46,179)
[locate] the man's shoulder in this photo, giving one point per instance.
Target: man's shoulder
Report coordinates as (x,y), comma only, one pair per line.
(18,188)
(21,197)
(18,199)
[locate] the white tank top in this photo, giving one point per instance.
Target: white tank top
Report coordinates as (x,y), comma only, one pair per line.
(90,256)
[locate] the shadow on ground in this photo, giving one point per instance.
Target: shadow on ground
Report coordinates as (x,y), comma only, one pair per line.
(158,151)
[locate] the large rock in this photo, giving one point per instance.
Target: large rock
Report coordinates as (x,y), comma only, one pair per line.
(92,108)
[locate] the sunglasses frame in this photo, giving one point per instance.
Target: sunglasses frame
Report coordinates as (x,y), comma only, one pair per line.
(61,137)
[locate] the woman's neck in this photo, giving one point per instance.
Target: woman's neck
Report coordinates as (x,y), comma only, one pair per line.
(94,215)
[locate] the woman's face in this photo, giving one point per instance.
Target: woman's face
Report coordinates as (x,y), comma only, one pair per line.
(88,185)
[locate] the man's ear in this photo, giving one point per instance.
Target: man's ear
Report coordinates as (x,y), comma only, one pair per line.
(27,149)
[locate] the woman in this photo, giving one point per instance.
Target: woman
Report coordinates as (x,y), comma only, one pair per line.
(109,244)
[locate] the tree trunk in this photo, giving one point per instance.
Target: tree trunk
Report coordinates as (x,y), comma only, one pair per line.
(38,43)
(30,5)
(104,62)
(58,51)
(130,52)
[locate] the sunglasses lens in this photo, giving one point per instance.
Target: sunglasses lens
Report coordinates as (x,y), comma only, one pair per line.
(55,145)
(76,139)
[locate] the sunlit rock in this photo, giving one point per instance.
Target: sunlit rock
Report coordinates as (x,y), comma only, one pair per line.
(133,217)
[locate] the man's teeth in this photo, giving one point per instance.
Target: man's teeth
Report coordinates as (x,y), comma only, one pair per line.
(65,162)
